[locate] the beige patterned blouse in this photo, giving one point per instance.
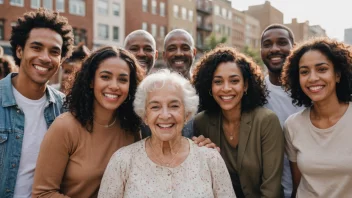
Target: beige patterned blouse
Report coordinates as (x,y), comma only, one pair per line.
(130,173)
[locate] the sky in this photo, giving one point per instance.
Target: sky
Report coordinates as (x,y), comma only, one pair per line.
(332,15)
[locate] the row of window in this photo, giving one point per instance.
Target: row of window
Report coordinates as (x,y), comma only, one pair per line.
(103,32)
(223,29)
(145,6)
(103,8)
(154,29)
(76,7)
(184,12)
(226,14)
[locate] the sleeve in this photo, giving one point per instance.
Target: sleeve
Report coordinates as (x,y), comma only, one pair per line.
(272,141)
(221,181)
(115,175)
(290,150)
(52,160)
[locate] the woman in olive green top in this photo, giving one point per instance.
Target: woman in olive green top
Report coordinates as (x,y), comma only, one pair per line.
(232,93)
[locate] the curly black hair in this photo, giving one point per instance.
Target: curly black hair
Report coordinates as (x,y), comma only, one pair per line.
(41,18)
(337,52)
(80,100)
(203,77)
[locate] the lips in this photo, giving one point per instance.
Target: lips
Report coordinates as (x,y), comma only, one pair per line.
(143,62)
(165,126)
(315,88)
(227,98)
(39,68)
(111,96)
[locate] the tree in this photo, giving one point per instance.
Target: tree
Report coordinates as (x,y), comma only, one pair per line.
(212,42)
(254,54)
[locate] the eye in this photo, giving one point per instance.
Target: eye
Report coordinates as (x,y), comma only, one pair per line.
(56,52)
(235,81)
(36,48)
(124,80)
(174,106)
(105,77)
(217,82)
(322,69)
(148,50)
(170,49)
(266,45)
(186,48)
(303,72)
(154,107)
(133,49)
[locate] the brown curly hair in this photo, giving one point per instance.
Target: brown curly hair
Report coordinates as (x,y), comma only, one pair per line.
(203,77)
(337,52)
(41,18)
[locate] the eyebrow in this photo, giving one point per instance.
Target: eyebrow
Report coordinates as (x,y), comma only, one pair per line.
(41,44)
(109,72)
(156,102)
(235,75)
(316,65)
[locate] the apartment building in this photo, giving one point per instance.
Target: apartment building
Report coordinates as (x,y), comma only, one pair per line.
(109,23)
(182,15)
(348,36)
(149,15)
(316,31)
(238,29)
(252,32)
(300,30)
(266,14)
(78,12)
(222,20)
(204,22)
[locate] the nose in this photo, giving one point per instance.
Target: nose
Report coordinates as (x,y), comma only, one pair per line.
(313,76)
(179,52)
(44,56)
(165,114)
(226,87)
(275,48)
(114,85)
(140,52)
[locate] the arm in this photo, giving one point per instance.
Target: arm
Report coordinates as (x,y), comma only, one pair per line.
(296,178)
(52,161)
(272,141)
(115,175)
(221,181)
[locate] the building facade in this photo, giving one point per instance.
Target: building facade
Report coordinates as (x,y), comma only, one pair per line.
(238,29)
(316,31)
(109,23)
(182,15)
(252,32)
(150,15)
(348,36)
(204,22)
(222,20)
(300,30)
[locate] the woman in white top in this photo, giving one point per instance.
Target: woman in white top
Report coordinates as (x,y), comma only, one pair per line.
(318,139)
(166,164)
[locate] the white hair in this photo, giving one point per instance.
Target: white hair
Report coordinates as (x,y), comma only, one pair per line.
(180,31)
(139,33)
(190,97)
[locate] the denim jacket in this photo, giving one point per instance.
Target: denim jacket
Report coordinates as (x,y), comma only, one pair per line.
(12,131)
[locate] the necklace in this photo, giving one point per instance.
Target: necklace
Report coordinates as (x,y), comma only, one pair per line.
(231,134)
(106,125)
(168,164)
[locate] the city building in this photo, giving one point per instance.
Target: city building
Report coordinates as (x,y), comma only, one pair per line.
(252,32)
(109,23)
(204,22)
(348,36)
(78,12)
(182,15)
(265,14)
(300,30)
(222,20)
(150,15)
(316,31)
(238,28)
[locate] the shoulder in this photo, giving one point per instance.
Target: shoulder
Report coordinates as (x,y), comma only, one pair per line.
(57,94)
(204,116)
(125,154)
(297,117)
(209,154)
(263,114)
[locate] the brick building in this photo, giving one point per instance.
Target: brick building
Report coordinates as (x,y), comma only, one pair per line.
(204,22)
(238,28)
(300,30)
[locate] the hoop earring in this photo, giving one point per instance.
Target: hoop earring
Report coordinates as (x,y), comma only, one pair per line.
(210,93)
(127,99)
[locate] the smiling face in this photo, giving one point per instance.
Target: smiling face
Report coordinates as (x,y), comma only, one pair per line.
(179,53)
(143,48)
(165,112)
(228,86)
(111,84)
(41,55)
(70,67)
(317,76)
(275,48)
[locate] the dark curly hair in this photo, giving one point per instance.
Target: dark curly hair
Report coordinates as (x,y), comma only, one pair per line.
(41,18)
(203,77)
(81,98)
(337,52)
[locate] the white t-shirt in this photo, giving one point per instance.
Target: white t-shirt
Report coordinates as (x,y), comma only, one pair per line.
(323,156)
(280,103)
(34,129)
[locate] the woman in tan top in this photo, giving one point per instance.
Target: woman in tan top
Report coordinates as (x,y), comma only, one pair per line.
(166,164)
(79,143)
(318,139)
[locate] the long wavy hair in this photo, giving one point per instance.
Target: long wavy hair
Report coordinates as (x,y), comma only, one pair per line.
(203,77)
(80,100)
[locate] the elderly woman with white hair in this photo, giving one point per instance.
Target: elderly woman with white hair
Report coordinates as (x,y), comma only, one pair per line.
(166,164)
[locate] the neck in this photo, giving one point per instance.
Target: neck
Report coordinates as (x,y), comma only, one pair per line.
(104,117)
(274,78)
(166,148)
(233,115)
(28,88)
(328,108)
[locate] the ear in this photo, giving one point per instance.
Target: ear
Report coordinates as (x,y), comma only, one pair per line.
(156,54)
(188,117)
(91,84)
(145,120)
(194,52)
(245,86)
(19,52)
(338,77)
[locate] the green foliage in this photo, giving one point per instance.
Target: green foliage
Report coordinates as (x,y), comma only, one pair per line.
(212,42)
(254,54)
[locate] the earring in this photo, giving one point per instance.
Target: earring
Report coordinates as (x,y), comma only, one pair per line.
(127,99)
(210,93)
(245,93)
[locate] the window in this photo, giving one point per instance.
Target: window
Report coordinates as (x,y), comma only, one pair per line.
(229,15)
(1,30)
(176,11)
(103,7)
(76,36)
(248,27)
(153,6)
(48,4)
(1,1)
(103,31)
(248,41)
(229,31)
(216,10)
(60,5)
(153,30)
(190,15)
(16,2)
(184,13)
(224,13)
(217,28)
(115,32)
(77,7)
(14,23)
(162,9)
(162,31)
(145,5)
(35,4)
(84,36)
(116,9)
(144,26)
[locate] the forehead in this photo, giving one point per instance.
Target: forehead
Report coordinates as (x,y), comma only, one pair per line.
(165,92)
(312,57)
(114,64)
(46,37)
(139,40)
(227,69)
(276,33)
(178,38)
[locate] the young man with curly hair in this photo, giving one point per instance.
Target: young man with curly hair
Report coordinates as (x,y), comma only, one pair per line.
(40,41)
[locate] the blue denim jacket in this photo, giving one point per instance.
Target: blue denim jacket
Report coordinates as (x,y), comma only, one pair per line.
(12,129)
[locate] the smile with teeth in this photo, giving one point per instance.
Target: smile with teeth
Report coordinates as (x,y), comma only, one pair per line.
(179,62)
(165,125)
(227,97)
(112,96)
(315,88)
(40,68)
